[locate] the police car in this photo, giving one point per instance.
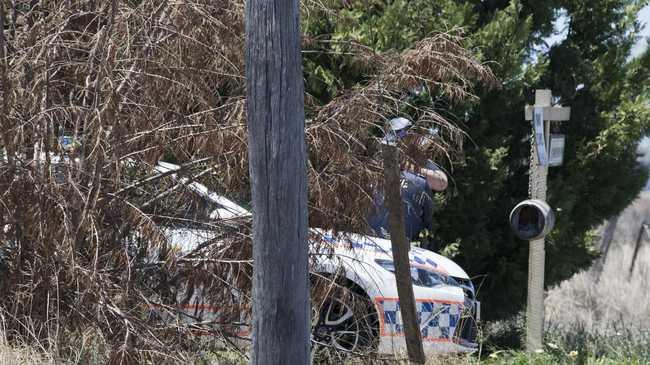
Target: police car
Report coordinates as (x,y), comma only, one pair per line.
(357,308)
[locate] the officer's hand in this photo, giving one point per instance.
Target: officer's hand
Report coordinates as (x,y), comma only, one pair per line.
(436,179)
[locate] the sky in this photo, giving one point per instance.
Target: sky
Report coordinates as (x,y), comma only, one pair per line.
(639,47)
(641,44)
(643,153)
(561,29)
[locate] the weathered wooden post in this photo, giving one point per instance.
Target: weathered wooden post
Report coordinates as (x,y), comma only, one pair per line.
(541,114)
(278,172)
(401,246)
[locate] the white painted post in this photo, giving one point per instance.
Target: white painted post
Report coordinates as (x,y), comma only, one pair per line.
(537,190)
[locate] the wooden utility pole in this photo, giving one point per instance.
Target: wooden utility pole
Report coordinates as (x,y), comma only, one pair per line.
(278,174)
(541,114)
(401,246)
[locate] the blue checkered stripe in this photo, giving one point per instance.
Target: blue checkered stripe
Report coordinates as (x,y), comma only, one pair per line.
(437,320)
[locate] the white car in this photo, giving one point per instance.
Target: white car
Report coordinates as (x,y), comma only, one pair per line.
(362,265)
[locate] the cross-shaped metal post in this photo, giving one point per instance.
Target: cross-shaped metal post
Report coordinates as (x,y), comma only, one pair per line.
(542,113)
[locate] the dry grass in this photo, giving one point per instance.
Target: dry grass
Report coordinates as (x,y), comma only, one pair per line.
(617,302)
(22,356)
(591,320)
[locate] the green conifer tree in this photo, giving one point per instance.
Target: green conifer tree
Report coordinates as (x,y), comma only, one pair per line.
(588,69)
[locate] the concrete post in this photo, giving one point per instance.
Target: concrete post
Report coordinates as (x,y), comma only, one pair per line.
(535,302)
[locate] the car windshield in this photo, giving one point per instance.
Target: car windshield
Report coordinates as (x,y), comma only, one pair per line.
(420,277)
(191,203)
(452,281)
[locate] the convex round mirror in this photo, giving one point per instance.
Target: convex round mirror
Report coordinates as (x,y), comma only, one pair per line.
(532,219)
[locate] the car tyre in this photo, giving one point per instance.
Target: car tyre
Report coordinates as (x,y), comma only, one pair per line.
(344,321)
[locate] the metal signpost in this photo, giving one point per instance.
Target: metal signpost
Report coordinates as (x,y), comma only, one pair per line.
(556,150)
(542,113)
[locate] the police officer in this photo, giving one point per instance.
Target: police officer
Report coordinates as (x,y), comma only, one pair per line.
(417,188)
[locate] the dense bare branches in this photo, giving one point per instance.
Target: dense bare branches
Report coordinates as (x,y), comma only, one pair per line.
(84,225)
(343,136)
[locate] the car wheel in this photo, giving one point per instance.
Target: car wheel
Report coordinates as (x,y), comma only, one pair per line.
(344,323)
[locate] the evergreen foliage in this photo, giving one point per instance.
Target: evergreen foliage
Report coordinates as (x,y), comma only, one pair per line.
(588,70)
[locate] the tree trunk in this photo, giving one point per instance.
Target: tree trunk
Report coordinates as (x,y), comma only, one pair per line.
(401,247)
(278,172)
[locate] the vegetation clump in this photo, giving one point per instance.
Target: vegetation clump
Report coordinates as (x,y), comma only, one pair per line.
(94,94)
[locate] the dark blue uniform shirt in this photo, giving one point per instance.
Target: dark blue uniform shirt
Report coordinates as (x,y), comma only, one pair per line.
(418,208)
